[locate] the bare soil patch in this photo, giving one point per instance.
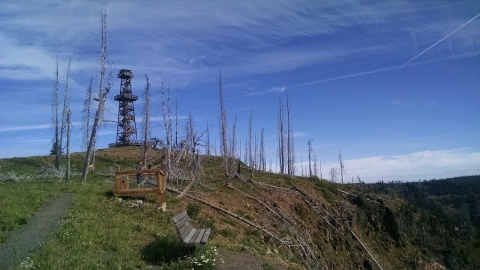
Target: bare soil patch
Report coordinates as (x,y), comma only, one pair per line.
(233,260)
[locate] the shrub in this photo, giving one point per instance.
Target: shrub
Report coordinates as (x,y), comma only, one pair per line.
(328,195)
(226,233)
(193,210)
(13,177)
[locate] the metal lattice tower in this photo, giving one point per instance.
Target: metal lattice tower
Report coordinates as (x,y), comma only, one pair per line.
(127,127)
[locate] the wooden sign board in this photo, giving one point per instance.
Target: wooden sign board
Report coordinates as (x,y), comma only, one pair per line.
(140,183)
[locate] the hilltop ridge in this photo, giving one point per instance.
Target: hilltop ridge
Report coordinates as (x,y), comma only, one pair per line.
(313,223)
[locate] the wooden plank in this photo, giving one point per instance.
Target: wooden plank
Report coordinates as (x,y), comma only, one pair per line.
(186,240)
(187,228)
(184,227)
(181,222)
(190,235)
(205,236)
(198,239)
(179,216)
(191,242)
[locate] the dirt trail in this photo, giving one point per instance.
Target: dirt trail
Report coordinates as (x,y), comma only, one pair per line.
(243,261)
(35,232)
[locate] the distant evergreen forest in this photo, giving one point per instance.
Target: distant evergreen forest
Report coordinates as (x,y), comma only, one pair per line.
(443,216)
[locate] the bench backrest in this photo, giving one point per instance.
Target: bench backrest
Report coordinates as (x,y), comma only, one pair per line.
(190,236)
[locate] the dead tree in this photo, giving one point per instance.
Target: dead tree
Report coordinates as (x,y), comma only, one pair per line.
(176,119)
(86,115)
(321,176)
(255,153)
(208,140)
(262,164)
(55,120)
(65,109)
(290,149)
(146,119)
(69,130)
(245,157)
(301,166)
(281,137)
(333,174)
(342,168)
(223,132)
(233,146)
(102,94)
(250,141)
(315,172)
(167,122)
(310,157)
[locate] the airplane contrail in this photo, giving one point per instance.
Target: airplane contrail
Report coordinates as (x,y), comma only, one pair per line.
(321,81)
(281,89)
(364,73)
(453,32)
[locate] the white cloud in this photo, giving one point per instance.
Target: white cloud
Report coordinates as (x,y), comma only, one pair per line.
(414,166)
(297,134)
(26,127)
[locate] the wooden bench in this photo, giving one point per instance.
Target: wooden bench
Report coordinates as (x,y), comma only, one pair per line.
(190,236)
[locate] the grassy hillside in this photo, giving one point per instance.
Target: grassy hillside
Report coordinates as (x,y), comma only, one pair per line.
(302,223)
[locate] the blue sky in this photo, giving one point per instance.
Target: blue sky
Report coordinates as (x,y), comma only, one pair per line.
(343,64)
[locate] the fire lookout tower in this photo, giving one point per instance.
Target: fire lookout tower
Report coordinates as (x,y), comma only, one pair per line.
(126,125)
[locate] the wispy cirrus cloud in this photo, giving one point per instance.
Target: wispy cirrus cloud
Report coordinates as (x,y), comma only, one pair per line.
(265,32)
(27,127)
(298,134)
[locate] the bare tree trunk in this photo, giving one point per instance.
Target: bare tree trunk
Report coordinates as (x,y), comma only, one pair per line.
(340,159)
(176,119)
(301,165)
(263,166)
(321,176)
(98,116)
(223,132)
(281,137)
(310,157)
(55,124)
(65,109)
(333,174)
(250,142)
(189,134)
(146,120)
(315,164)
(233,148)
(239,151)
(245,156)
(255,160)
(101,96)
(168,127)
(290,152)
(208,139)
(87,115)
(69,129)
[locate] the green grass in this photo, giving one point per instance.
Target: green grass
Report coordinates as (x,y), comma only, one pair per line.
(18,202)
(101,232)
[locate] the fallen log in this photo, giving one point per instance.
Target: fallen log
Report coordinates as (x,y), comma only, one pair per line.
(224,211)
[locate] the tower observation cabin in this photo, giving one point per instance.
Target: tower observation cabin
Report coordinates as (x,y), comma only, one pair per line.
(126,125)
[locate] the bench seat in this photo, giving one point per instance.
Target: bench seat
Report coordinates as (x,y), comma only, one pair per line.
(190,235)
